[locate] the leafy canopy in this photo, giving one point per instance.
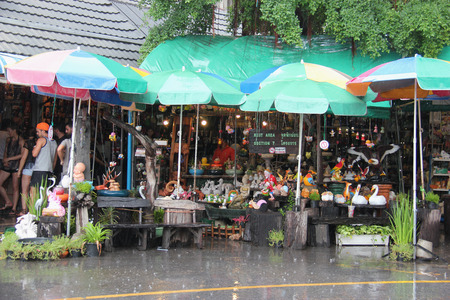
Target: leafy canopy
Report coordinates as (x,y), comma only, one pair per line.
(374,26)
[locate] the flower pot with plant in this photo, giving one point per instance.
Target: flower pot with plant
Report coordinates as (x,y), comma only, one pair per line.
(432,200)
(62,244)
(84,195)
(364,235)
(94,235)
(10,243)
(315,198)
(402,223)
(276,238)
(76,247)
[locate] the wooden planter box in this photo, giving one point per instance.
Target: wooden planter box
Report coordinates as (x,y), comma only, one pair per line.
(362,240)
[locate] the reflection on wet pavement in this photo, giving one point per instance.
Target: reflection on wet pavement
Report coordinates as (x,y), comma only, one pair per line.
(229,270)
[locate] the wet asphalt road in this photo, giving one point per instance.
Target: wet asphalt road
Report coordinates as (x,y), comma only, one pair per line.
(229,270)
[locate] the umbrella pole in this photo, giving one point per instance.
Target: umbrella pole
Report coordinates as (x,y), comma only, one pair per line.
(195,152)
(180,141)
(129,151)
(299,172)
(71,161)
(95,142)
(415,167)
(235,146)
(422,181)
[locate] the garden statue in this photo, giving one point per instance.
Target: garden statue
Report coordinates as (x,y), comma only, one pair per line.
(78,175)
(54,209)
(26,227)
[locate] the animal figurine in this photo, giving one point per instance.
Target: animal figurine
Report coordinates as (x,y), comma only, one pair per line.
(308,179)
(376,199)
(338,166)
(374,158)
(54,209)
(327,196)
(357,198)
(347,191)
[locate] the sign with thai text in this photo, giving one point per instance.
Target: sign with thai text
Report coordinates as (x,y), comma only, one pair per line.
(273,142)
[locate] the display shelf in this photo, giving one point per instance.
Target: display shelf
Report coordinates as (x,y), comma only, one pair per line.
(439,174)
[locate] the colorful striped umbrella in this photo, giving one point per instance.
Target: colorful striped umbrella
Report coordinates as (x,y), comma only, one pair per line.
(301,88)
(73,73)
(414,78)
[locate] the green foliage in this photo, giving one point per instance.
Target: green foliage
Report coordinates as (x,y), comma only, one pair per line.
(402,220)
(349,230)
(432,197)
(82,187)
(282,15)
(9,242)
(108,215)
(290,205)
(378,26)
(95,233)
(76,244)
(158,216)
(276,237)
(375,26)
(73,225)
(175,18)
(314,196)
(406,251)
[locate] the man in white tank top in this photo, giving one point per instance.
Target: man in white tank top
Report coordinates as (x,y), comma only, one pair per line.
(44,152)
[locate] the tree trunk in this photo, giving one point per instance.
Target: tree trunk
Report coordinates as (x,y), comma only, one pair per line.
(150,156)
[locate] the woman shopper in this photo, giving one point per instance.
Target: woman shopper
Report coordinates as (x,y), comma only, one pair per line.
(27,163)
(11,160)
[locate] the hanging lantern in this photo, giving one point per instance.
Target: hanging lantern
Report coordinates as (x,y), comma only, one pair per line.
(363,137)
(162,108)
(357,135)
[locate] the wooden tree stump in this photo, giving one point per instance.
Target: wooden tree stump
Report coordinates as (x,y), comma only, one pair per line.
(429,225)
(296,229)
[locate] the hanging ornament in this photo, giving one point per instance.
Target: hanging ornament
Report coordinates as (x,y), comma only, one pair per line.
(353,129)
(375,129)
(339,130)
(113,137)
(363,137)
(332,133)
(382,130)
(346,131)
(219,142)
(369,144)
(139,128)
(50,132)
(162,108)
(112,164)
(121,156)
(357,135)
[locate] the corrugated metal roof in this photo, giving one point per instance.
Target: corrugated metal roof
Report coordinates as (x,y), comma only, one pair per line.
(111,28)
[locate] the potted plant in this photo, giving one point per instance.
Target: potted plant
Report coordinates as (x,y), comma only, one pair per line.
(61,244)
(83,194)
(374,235)
(432,200)
(76,247)
(49,251)
(402,222)
(276,238)
(315,198)
(94,235)
(9,244)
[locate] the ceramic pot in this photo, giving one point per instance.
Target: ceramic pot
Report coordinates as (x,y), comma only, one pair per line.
(91,250)
(314,203)
(76,253)
(432,205)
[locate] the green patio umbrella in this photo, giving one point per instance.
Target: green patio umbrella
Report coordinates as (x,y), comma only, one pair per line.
(181,87)
(302,88)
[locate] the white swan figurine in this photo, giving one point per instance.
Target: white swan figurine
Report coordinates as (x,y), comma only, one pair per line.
(358,199)
(375,199)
